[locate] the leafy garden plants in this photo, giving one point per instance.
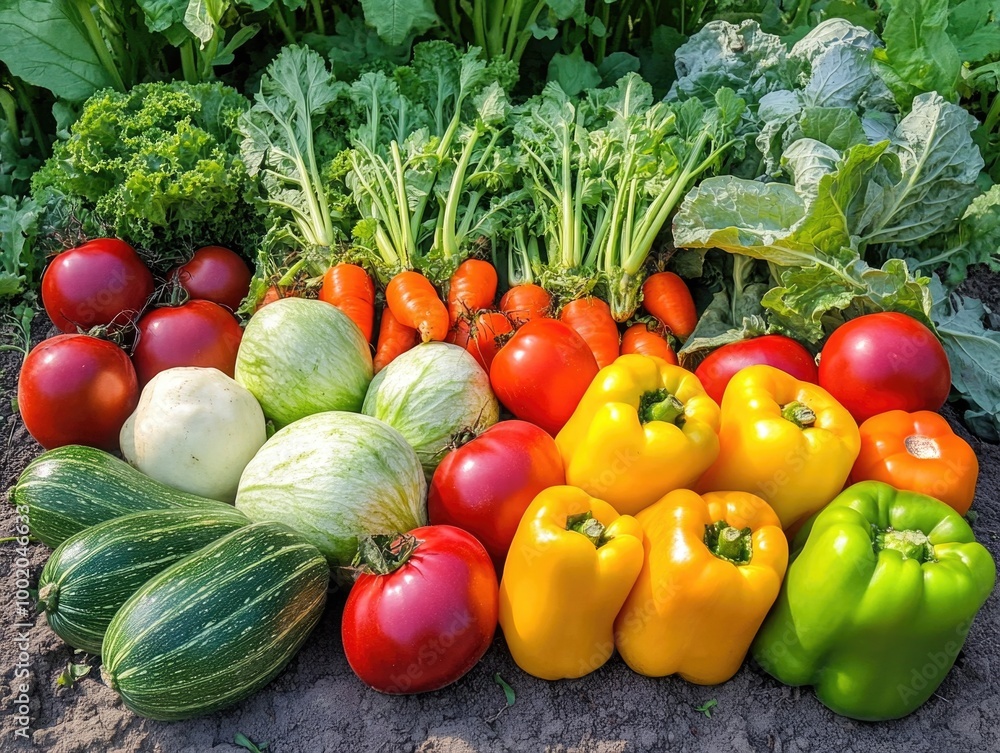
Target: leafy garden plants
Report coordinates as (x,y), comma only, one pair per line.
(621,327)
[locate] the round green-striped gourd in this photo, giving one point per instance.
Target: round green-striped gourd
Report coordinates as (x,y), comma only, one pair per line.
(71,488)
(430,394)
(335,477)
(93,572)
(218,625)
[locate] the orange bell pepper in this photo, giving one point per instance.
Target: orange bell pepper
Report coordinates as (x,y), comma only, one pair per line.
(918,452)
(712,570)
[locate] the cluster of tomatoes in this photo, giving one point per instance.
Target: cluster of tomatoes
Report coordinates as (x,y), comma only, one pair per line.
(80,386)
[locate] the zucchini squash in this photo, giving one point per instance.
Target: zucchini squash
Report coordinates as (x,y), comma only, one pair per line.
(71,488)
(217,625)
(93,572)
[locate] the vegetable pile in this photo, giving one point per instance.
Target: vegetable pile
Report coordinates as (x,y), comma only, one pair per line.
(619,324)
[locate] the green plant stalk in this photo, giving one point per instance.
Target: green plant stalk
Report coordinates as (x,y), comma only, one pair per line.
(208,56)
(479,25)
(411,228)
(571,234)
(289,277)
(514,17)
(86,15)
(525,34)
(9,108)
(601,46)
(115,33)
(24,100)
(397,229)
(455,31)
(524,259)
(659,211)
(279,20)
(630,245)
(188,65)
(495,32)
(317,9)
(449,216)
(801,17)
(318,195)
(993,115)
(317,226)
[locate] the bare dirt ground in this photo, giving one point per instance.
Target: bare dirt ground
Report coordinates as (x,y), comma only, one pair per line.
(317,705)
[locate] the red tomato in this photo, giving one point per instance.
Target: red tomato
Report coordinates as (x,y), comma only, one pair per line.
(426,623)
(197,333)
(101,282)
(215,274)
(485,486)
(542,372)
(489,332)
(773,350)
(882,362)
(76,389)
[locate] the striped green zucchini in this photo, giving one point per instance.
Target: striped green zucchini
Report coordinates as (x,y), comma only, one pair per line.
(71,488)
(218,625)
(92,573)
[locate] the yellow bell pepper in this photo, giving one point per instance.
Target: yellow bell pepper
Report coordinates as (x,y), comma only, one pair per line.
(570,566)
(643,428)
(713,568)
(786,441)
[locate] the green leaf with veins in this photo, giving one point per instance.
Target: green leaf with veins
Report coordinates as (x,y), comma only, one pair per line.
(919,54)
(974,26)
(573,73)
(45,43)
(815,299)
(734,314)
(928,177)
(976,240)
(398,20)
(837,127)
(281,144)
(974,353)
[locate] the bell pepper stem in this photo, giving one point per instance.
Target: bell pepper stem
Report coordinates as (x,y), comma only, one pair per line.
(587,525)
(799,414)
(728,543)
(912,544)
(660,405)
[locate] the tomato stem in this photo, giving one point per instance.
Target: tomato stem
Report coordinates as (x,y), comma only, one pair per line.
(381,554)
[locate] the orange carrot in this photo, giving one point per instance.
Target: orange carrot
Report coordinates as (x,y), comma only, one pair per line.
(665,296)
(591,318)
(640,339)
(487,335)
(394,339)
(471,288)
(523,303)
(415,303)
(350,289)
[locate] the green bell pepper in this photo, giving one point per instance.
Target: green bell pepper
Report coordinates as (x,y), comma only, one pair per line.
(877,603)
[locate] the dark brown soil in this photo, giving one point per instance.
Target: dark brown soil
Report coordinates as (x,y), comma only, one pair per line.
(318,705)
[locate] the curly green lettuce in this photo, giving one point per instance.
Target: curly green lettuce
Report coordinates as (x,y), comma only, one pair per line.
(159,166)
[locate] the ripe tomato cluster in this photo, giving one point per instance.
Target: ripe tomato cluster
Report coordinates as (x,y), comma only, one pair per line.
(80,386)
